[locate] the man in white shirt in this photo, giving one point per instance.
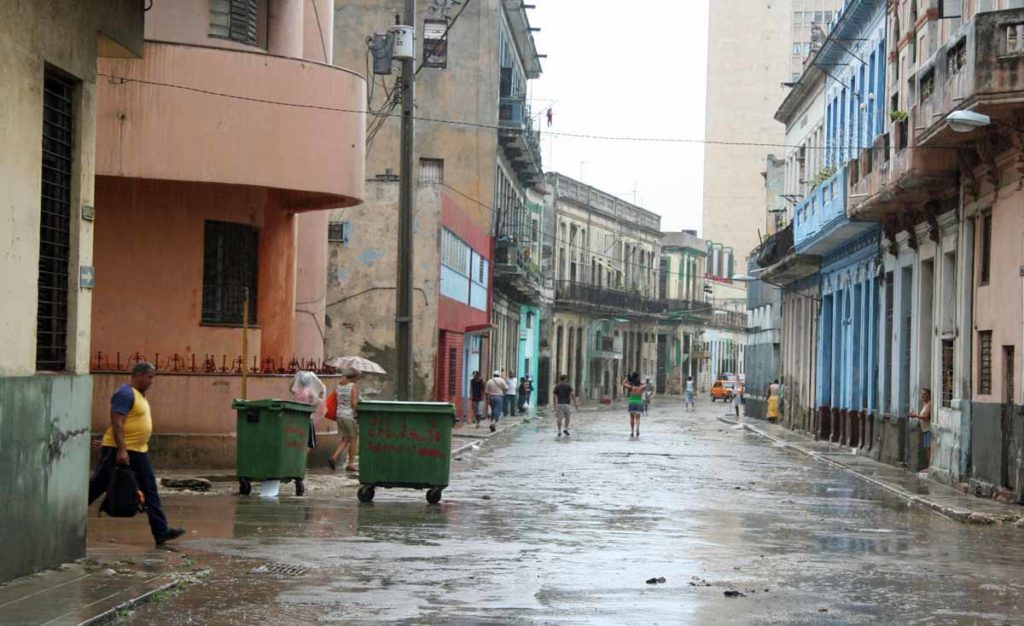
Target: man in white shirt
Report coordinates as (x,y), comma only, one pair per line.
(495,389)
(510,393)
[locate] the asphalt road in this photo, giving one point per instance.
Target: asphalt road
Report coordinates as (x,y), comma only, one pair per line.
(537,529)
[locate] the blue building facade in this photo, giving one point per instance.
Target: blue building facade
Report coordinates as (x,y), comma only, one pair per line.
(853,57)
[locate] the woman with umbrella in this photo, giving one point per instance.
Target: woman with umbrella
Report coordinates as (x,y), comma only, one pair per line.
(343,406)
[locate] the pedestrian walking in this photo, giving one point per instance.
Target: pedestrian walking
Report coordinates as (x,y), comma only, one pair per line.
(343,404)
(525,391)
(773,402)
(635,390)
(691,392)
(126,442)
(308,389)
(565,400)
(648,394)
(476,397)
(495,390)
(511,385)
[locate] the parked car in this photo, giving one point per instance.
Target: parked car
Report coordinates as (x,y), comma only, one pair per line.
(723,390)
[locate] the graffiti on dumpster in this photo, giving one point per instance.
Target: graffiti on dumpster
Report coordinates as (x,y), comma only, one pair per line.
(295,436)
(421,438)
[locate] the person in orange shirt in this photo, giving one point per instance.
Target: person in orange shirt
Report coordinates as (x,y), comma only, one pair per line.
(126,442)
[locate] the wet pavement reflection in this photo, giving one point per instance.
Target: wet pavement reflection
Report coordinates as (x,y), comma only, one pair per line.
(537,529)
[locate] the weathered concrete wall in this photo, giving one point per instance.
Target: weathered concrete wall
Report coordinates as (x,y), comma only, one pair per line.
(361,278)
(467,90)
(44,420)
(997,445)
(63,35)
(44,435)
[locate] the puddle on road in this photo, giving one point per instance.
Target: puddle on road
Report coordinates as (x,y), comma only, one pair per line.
(572,530)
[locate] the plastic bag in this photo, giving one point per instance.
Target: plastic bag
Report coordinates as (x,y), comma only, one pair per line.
(307,388)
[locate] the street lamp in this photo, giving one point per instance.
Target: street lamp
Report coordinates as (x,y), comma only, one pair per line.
(967,121)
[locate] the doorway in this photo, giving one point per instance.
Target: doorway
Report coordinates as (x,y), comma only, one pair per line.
(1009,464)
(543,381)
(661,380)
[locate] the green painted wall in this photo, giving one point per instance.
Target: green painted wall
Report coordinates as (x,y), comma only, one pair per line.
(44,462)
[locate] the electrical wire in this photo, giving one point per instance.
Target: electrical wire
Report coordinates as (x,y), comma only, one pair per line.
(117,80)
(320,29)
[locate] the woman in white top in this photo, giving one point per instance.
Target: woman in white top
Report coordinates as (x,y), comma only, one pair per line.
(346,405)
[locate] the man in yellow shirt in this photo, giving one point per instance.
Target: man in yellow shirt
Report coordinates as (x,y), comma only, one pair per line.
(126,442)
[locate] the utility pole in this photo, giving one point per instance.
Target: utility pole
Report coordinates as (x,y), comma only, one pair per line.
(403,293)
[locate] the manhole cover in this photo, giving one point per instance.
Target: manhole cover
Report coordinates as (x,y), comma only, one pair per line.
(281,569)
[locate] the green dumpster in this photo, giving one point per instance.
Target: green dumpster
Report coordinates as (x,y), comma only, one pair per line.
(405,444)
(272,436)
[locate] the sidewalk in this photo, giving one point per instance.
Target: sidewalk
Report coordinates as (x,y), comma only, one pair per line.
(942,499)
(116,578)
(109,583)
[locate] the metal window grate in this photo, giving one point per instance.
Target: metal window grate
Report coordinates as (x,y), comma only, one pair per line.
(985,362)
(55,222)
(947,372)
(236,20)
(230,265)
(452,372)
(338,232)
(432,171)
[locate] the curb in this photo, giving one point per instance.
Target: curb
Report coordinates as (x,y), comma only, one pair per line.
(963,516)
(482,438)
(110,616)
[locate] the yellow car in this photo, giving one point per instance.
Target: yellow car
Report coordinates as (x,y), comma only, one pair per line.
(723,390)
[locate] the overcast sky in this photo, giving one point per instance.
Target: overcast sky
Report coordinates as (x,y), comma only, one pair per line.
(626,69)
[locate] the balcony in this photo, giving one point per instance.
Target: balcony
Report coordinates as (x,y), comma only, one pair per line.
(209,115)
(592,298)
(519,141)
(604,345)
(774,248)
(901,174)
(820,223)
(982,69)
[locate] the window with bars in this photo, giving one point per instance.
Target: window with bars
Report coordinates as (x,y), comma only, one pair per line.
(236,20)
(55,222)
(947,372)
(230,266)
(454,252)
(339,232)
(432,171)
(452,372)
(985,362)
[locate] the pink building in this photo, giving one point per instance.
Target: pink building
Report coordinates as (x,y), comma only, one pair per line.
(218,154)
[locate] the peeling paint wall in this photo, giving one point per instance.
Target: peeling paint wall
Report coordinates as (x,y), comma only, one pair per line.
(44,436)
(44,419)
(361,275)
(467,90)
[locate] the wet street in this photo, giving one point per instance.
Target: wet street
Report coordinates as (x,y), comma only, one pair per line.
(538,529)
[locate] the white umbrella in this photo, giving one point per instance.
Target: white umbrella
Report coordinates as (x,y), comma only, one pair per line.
(356,363)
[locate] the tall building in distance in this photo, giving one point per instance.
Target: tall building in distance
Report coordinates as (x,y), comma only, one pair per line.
(746,82)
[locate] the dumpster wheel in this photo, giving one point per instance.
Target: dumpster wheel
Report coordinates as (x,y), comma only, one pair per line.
(244,486)
(366,493)
(433,495)
(300,487)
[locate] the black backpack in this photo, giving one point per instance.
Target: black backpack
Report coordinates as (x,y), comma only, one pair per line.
(123,497)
